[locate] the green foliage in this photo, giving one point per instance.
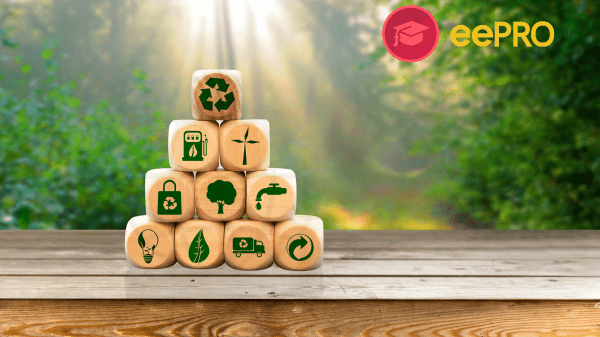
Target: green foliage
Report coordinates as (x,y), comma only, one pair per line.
(5,13)
(527,155)
(65,164)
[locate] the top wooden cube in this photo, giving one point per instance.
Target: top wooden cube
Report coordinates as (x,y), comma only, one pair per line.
(217,94)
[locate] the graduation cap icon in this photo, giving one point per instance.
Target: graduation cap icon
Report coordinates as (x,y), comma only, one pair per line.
(410,33)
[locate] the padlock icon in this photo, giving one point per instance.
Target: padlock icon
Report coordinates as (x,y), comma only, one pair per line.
(169,202)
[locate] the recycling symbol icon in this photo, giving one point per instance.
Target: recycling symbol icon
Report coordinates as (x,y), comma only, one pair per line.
(243,243)
(170,203)
(217,87)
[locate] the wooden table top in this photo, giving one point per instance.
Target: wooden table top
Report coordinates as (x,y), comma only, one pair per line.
(399,265)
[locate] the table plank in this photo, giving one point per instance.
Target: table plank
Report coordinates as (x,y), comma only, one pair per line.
(387,239)
(339,239)
(354,245)
(480,253)
(287,287)
(298,318)
(113,267)
(357,265)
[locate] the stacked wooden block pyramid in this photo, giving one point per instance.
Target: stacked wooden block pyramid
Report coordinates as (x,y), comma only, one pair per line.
(195,209)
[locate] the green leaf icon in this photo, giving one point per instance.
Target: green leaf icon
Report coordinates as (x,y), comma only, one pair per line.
(199,248)
(193,151)
(141,240)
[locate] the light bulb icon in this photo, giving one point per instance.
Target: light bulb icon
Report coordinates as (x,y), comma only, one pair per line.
(148,240)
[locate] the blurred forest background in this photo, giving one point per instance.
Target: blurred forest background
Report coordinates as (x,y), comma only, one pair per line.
(470,138)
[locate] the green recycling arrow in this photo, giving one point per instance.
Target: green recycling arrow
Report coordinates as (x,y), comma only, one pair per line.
(301,242)
(220,105)
(219,82)
(220,85)
(204,96)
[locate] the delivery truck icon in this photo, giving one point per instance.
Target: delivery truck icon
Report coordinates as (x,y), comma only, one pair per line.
(247,245)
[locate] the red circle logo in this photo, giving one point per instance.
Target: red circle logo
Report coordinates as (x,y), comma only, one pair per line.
(410,33)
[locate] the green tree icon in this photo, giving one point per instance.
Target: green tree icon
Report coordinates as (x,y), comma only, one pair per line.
(245,141)
(221,192)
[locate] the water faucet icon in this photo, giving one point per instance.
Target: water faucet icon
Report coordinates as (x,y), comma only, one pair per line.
(273,189)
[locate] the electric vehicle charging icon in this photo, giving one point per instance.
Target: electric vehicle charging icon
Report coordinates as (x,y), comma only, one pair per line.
(194,148)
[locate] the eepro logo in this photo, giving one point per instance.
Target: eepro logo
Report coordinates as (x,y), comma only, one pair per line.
(483,34)
(410,33)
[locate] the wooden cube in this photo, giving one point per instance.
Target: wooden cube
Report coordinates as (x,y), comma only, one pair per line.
(299,243)
(217,94)
(220,195)
(149,244)
(199,243)
(245,145)
(248,244)
(169,195)
(193,145)
(271,194)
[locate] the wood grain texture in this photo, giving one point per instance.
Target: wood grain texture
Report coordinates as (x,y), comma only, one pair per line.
(357,245)
(466,268)
(340,239)
(357,265)
(290,287)
(448,254)
(298,318)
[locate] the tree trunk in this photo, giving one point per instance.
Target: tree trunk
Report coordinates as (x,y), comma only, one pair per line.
(253,44)
(219,36)
(228,40)
(115,73)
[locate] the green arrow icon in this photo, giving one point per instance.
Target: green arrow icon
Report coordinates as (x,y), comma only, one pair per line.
(296,241)
(219,82)
(220,105)
(204,96)
(220,85)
